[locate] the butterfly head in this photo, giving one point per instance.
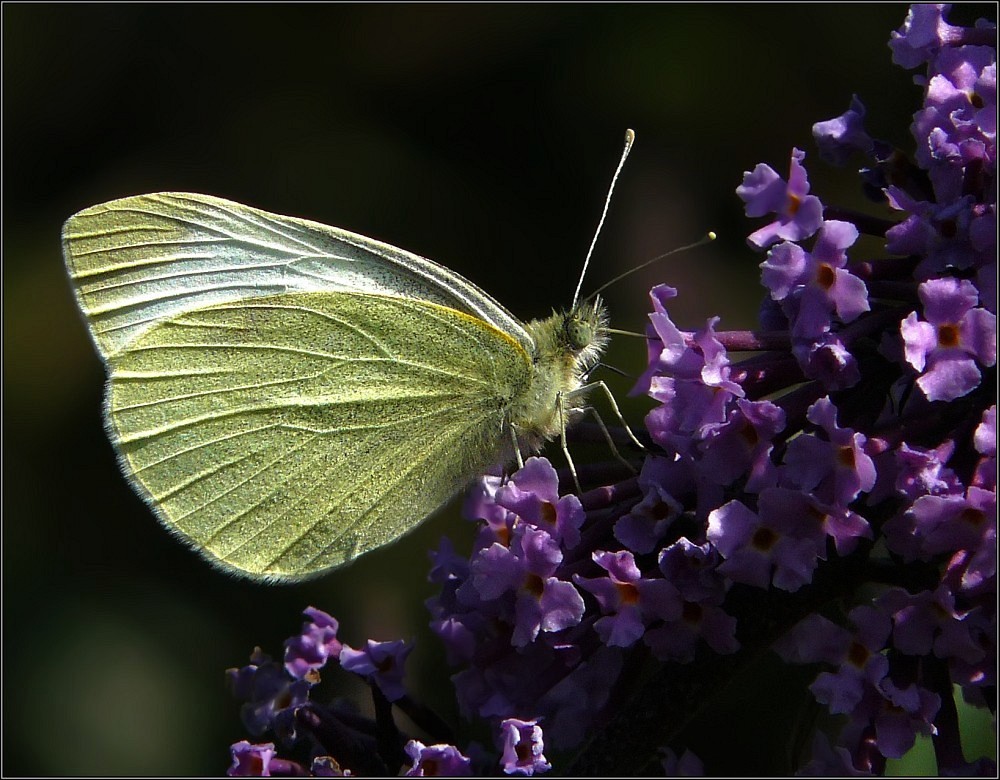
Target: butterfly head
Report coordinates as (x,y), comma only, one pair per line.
(585,331)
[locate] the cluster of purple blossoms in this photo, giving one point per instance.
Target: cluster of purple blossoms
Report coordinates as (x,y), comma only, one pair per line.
(830,496)
(333,739)
(328,740)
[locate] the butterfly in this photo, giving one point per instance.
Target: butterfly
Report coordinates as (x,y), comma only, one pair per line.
(287,396)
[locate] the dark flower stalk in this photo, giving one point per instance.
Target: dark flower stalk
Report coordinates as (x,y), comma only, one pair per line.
(830,499)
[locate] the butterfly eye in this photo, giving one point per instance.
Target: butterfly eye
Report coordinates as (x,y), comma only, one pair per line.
(579,333)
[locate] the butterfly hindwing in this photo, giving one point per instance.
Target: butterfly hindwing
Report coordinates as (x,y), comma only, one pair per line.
(284,435)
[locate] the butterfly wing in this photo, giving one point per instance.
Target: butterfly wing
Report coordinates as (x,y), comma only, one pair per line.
(284,435)
(143,259)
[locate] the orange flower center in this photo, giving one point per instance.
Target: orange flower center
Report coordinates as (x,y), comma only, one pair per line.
(534,585)
(858,654)
(548,512)
(845,456)
(947,335)
(764,539)
(627,592)
(825,276)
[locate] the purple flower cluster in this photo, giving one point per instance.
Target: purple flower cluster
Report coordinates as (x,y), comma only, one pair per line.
(318,739)
(324,740)
(849,460)
(823,487)
(540,618)
(884,455)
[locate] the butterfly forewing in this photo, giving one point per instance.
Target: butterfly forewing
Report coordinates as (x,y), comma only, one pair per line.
(143,259)
(284,435)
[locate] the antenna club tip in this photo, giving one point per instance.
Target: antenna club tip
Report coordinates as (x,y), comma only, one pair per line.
(712,235)
(629,137)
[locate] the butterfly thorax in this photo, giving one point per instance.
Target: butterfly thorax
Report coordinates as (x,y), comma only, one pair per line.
(566,345)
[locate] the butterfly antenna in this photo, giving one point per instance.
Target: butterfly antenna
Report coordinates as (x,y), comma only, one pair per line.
(708,238)
(629,139)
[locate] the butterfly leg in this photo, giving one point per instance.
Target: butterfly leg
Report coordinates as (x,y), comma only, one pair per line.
(607,437)
(517,448)
(562,442)
(599,385)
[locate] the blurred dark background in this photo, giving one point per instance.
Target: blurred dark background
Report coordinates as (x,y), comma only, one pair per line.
(481,136)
